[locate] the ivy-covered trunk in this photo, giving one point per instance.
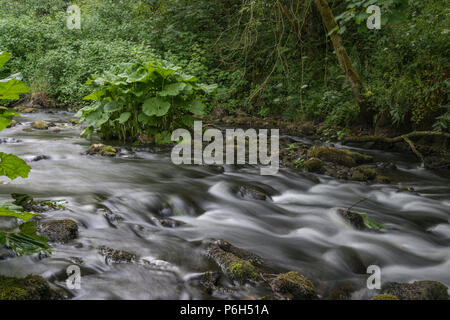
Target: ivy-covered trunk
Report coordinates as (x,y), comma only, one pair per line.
(351,75)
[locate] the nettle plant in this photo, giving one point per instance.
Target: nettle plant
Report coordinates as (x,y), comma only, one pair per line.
(149,98)
(25,240)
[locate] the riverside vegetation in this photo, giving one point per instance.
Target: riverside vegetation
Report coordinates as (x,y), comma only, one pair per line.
(137,70)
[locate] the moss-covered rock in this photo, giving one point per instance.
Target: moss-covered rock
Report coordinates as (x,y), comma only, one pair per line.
(385,297)
(364,173)
(116,256)
(383,179)
(252,192)
(59,230)
(360,220)
(102,150)
(293,285)
(353,218)
(314,165)
(40,125)
(239,252)
(419,290)
(340,156)
(25,109)
(233,267)
(28,288)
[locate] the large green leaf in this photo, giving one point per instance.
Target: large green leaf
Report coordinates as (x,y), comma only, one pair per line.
(6,117)
(4,58)
(155,107)
(208,88)
(172,89)
(13,167)
(27,241)
(197,107)
(11,87)
(124,117)
(111,106)
(12,210)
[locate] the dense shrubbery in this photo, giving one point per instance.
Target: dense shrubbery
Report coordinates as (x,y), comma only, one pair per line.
(263,62)
(148,98)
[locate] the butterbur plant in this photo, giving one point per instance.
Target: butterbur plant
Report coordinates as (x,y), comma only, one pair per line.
(25,240)
(149,98)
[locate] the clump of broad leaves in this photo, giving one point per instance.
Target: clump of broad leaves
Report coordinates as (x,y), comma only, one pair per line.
(22,239)
(150,98)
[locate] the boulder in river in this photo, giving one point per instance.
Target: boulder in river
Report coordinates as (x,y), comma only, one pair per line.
(292,285)
(239,252)
(59,230)
(360,220)
(340,156)
(40,125)
(102,150)
(353,218)
(314,165)
(41,157)
(364,173)
(232,266)
(28,288)
(419,290)
(25,109)
(252,192)
(116,256)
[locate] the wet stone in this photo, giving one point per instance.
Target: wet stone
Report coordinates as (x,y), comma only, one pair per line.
(61,231)
(116,256)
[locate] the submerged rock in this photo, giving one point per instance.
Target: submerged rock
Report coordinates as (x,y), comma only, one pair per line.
(28,288)
(252,192)
(292,285)
(41,157)
(102,149)
(353,218)
(40,125)
(116,256)
(340,156)
(419,290)
(59,230)
(167,222)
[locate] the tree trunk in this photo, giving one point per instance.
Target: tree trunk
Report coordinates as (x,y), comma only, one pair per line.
(344,61)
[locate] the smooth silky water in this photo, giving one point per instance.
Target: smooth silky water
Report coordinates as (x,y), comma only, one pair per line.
(298,230)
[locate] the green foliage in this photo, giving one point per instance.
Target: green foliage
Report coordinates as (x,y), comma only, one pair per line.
(6,117)
(149,98)
(264,63)
(13,167)
(12,210)
(26,240)
(370,223)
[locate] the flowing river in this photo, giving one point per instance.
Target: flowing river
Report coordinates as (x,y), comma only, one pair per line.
(298,229)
